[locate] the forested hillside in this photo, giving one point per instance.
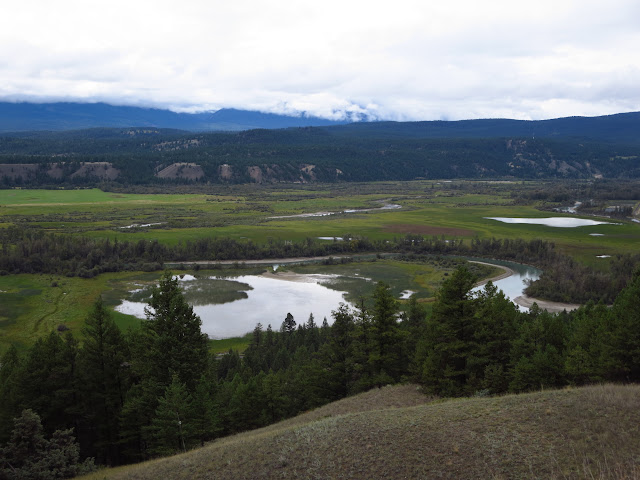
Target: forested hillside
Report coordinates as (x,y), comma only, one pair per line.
(358,152)
(157,390)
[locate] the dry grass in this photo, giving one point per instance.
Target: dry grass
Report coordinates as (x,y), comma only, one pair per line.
(395,432)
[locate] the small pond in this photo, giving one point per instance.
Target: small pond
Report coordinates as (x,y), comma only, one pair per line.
(233,306)
(560,222)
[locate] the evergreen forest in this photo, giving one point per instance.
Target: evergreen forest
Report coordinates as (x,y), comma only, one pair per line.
(112,398)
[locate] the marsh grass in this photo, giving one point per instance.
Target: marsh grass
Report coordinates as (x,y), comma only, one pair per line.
(244,211)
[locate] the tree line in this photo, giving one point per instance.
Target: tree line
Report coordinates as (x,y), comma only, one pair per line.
(563,279)
(157,390)
(370,157)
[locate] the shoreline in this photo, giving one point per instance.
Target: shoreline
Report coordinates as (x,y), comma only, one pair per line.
(507,272)
(548,305)
(525,300)
(522,300)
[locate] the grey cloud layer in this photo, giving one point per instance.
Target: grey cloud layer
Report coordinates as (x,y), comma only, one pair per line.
(400,60)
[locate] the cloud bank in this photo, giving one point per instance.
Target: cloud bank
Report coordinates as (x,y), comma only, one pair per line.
(403,60)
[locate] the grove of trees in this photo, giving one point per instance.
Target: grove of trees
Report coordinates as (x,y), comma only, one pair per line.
(157,390)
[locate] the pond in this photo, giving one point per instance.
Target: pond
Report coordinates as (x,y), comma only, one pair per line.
(232,306)
(243,302)
(560,222)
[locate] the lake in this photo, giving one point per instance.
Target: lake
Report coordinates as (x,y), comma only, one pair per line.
(559,222)
(249,300)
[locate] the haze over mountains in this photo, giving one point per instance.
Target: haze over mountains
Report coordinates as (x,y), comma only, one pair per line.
(21,117)
(84,144)
(18,117)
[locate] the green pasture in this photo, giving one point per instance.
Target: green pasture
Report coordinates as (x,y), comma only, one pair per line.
(34,305)
(31,306)
(244,213)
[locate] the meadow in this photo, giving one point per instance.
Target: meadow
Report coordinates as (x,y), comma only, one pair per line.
(35,304)
(245,212)
(397,432)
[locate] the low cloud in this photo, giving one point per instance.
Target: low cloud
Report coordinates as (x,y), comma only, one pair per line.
(408,60)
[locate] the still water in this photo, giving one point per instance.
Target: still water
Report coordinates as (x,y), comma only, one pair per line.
(558,222)
(257,300)
(233,306)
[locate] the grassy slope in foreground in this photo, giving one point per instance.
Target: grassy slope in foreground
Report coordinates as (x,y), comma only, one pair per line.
(395,432)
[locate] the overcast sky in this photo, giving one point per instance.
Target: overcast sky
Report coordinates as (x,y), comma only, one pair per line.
(392,59)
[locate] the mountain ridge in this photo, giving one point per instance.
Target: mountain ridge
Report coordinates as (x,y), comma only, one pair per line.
(70,116)
(63,116)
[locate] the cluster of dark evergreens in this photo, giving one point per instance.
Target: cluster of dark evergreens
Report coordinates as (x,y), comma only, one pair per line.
(563,279)
(360,156)
(27,251)
(157,390)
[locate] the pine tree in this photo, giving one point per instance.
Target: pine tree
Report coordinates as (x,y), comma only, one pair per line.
(386,353)
(171,429)
(48,383)
(103,381)
(9,384)
(30,455)
(442,355)
(178,344)
(625,333)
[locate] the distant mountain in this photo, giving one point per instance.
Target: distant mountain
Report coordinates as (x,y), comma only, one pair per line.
(21,117)
(618,128)
(18,117)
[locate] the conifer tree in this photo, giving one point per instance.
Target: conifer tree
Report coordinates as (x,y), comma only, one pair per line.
(386,354)
(442,355)
(9,384)
(30,455)
(178,344)
(103,380)
(172,428)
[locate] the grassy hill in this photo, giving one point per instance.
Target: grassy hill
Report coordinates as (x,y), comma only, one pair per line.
(396,432)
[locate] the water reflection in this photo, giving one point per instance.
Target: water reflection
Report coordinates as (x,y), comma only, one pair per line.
(561,222)
(265,300)
(514,285)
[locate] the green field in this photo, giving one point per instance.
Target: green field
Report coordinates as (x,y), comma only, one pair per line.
(244,212)
(31,305)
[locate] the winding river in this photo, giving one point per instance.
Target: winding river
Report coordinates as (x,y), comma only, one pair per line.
(268,298)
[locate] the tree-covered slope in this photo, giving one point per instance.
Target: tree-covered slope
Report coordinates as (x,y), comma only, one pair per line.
(606,147)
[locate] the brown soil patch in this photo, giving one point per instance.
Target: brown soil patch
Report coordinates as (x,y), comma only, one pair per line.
(255,173)
(428,230)
(190,171)
(225,171)
(97,169)
(13,171)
